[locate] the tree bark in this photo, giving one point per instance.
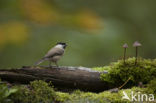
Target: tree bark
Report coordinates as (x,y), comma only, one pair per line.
(62,77)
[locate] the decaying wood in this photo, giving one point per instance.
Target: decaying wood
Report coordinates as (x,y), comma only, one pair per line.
(61,77)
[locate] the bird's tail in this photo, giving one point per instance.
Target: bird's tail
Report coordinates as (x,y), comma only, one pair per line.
(40,61)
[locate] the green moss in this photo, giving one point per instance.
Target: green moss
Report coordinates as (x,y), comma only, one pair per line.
(5,92)
(152,86)
(103,97)
(42,92)
(118,72)
(37,92)
(62,97)
(101,69)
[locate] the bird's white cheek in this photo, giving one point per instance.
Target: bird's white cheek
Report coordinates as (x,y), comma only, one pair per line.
(59,46)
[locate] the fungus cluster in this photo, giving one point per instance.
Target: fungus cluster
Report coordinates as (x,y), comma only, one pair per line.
(136,44)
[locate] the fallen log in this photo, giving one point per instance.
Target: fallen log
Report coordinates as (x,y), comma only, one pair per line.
(62,77)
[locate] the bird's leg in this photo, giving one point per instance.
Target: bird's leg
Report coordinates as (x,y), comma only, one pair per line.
(56,64)
(50,64)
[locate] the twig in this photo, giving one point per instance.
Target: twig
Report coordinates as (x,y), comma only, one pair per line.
(124,83)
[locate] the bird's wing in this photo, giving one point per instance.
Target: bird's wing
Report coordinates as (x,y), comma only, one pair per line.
(53,52)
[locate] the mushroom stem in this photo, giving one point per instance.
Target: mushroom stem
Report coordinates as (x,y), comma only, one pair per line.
(125,46)
(125,55)
(136,56)
(136,45)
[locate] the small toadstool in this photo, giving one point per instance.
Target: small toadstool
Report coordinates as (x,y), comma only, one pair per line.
(125,46)
(136,45)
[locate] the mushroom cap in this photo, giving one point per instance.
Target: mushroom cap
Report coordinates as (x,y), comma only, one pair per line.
(136,44)
(125,45)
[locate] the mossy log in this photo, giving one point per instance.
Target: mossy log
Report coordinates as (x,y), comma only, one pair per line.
(62,77)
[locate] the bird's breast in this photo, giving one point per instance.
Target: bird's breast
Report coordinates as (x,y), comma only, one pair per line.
(55,58)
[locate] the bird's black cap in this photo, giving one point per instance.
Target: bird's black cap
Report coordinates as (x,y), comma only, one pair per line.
(62,43)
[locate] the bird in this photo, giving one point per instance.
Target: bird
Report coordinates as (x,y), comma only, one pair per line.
(54,54)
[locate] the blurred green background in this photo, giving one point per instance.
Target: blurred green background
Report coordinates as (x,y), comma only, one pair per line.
(94,30)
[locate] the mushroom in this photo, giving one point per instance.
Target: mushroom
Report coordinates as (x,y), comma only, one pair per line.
(136,45)
(125,46)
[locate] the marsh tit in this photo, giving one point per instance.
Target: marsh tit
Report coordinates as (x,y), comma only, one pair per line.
(54,54)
